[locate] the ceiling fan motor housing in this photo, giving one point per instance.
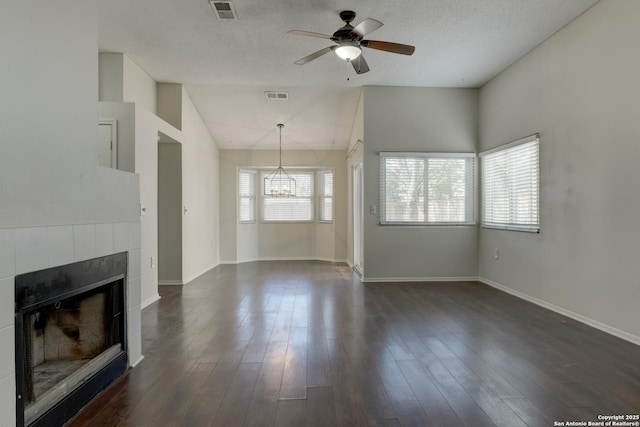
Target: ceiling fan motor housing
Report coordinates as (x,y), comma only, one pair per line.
(344,33)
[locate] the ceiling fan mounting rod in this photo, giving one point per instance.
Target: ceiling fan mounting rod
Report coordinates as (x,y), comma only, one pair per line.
(347,16)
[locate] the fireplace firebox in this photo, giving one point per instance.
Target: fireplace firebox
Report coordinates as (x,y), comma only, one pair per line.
(70,324)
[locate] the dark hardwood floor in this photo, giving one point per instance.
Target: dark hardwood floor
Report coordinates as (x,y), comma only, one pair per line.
(305,343)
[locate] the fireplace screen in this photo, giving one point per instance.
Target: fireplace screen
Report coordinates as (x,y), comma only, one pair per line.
(69,331)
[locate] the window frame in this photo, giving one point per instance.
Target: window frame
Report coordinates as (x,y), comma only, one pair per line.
(470,188)
(534,140)
(262,172)
(321,197)
(251,197)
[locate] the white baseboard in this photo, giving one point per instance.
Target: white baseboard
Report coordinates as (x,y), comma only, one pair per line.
(146,303)
(337,261)
(418,279)
(136,363)
(575,316)
(170,282)
(284,259)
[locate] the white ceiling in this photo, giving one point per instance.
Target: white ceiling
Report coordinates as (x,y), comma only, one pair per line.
(227,65)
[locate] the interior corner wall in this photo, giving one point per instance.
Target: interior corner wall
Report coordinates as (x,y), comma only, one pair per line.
(138,86)
(251,242)
(169,103)
(416,119)
(580,91)
(201,242)
(110,84)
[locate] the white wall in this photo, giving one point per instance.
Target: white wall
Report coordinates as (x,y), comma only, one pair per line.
(580,90)
(248,242)
(416,119)
(200,179)
(57,206)
(199,194)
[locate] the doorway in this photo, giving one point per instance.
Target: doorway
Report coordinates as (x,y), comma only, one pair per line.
(108,143)
(169,211)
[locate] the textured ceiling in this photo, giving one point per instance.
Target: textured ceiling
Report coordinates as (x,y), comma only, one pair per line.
(227,65)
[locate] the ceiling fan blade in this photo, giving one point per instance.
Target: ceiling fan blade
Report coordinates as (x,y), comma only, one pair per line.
(367,26)
(360,65)
(403,49)
(314,55)
(309,34)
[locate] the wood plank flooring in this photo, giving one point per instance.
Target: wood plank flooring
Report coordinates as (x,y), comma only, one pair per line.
(307,344)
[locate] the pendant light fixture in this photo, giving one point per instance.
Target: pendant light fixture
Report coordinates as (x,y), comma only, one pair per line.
(279,183)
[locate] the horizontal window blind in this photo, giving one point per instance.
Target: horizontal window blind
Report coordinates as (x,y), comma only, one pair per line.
(511,186)
(427,188)
(246,196)
(325,196)
(298,208)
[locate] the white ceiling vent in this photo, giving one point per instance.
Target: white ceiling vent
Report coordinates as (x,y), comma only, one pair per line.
(224,10)
(277,96)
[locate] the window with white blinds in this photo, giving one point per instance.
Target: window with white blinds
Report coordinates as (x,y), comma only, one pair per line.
(511,186)
(325,196)
(298,208)
(427,188)
(246,196)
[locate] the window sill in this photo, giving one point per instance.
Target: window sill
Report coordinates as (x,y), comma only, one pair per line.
(534,230)
(423,225)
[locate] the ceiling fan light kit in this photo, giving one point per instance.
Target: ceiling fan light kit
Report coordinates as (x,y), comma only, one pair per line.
(350,41)
(348,51)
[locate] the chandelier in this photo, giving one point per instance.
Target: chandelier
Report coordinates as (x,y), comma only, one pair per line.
(279,183)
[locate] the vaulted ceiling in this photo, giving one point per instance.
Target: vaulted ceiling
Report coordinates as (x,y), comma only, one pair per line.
(227,65)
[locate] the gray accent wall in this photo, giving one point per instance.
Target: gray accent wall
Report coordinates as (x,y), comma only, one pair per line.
(416,119)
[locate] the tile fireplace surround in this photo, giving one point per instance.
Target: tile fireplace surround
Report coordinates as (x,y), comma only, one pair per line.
(24,250)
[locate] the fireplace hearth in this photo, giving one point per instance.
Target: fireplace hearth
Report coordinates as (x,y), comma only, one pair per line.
(70,337)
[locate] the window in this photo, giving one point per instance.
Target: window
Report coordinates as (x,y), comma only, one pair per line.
(325,196)
(511,186)
(426,188)
(298,208)
(246,196)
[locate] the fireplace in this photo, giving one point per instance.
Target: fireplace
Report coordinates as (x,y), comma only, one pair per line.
(70,337)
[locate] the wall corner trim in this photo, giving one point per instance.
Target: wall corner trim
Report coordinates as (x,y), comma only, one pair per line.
(170,283)
(136,363)
(146,303)
(575,316)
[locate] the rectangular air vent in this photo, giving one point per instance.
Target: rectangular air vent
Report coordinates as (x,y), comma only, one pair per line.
(276,96)
(224,10)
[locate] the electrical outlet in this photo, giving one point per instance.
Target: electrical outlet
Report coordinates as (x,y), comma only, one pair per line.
(372,209)
(496,253)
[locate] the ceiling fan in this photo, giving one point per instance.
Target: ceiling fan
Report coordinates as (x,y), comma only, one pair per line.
(350,41)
